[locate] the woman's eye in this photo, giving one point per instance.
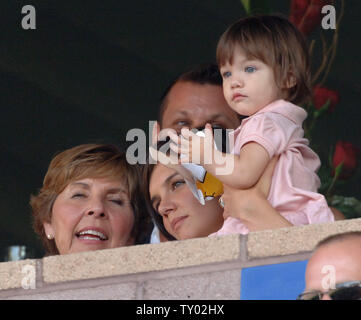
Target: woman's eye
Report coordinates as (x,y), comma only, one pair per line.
(78,195)
(226,74)
(177,183)
(117,201)
(250,69)
(122,200)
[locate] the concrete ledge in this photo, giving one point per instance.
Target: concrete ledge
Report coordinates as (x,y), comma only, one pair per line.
(294,240)
(142,258)
(205,268)
(12,274)
(122,291)
(207,286)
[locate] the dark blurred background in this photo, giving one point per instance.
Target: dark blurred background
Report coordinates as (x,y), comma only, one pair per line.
(92,70)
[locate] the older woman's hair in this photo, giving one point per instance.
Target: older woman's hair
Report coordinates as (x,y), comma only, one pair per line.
(88,161)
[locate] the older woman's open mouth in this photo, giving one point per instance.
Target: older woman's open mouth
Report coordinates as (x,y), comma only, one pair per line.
(95,234)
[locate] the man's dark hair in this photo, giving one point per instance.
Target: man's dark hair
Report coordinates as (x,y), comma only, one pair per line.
(202,74)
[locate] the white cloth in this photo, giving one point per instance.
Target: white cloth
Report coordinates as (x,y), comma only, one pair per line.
(154,238)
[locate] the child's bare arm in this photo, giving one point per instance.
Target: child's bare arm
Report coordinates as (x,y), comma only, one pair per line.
(238,171)
(247,167)
(251,205)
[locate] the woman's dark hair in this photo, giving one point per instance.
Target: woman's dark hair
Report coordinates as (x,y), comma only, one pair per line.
(155,216)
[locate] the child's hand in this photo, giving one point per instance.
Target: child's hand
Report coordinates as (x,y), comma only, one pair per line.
(170,159)
(193,147)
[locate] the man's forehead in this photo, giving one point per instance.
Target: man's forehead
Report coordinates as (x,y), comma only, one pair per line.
(199,104)
(340,259)
(186,90)
(200,111)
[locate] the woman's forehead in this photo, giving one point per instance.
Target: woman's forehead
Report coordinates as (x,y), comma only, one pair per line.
(161,176)
(109,183)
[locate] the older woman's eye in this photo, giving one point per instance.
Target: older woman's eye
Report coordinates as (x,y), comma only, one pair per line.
(122,200)
(117,201)
(78,195)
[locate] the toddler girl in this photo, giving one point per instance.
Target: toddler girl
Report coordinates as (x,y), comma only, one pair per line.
(265,68)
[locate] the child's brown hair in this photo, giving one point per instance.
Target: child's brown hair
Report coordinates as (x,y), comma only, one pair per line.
(275,41)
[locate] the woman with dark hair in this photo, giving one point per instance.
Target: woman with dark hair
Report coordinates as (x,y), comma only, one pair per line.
(179,215)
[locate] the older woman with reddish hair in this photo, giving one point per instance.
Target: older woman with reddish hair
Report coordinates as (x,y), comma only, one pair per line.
(89,200)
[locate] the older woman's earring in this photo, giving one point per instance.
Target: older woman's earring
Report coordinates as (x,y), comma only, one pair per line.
(50,236)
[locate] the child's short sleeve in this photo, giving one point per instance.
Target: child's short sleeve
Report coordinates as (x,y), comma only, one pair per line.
(271,130)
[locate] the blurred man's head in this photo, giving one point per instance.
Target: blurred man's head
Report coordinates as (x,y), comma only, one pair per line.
(335,261)
(196,98)
(192,100)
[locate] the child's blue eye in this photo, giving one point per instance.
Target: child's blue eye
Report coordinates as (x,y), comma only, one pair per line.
(250,69)
(226,74)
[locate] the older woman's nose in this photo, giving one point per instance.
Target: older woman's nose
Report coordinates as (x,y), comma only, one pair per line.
(96,214)
(96,209)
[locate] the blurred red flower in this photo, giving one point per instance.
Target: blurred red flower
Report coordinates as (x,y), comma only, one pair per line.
(306,14)
(321,95)
(346,153)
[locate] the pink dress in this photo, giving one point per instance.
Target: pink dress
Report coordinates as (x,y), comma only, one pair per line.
(278,128)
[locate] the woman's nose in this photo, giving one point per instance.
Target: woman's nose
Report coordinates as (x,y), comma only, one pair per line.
(96,208)
(166,207)
(96,214)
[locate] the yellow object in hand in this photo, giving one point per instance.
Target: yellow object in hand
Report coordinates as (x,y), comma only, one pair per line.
(210,186)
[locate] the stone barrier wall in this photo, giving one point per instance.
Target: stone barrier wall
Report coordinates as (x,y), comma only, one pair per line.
(204,268)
